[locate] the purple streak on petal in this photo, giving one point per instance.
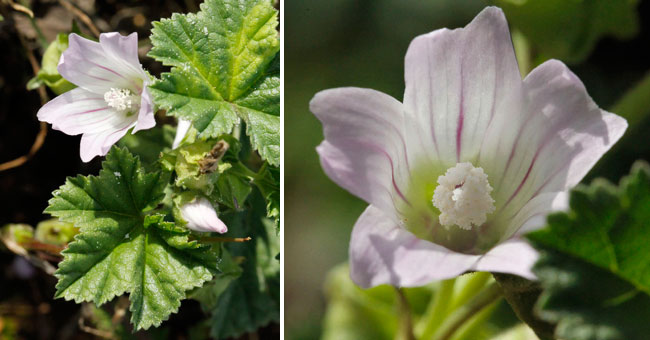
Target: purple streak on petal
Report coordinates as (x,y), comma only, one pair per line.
(513,150)
(461,118)
(445,64)
(379,149)
(363,129)
(89,111)
(521,184)
(137,87)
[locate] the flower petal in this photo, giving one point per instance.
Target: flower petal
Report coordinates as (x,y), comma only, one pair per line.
(98,144)
(553,144)
(146,118)
(181,130)
(122,48)
(81,111)
(383,253)
(88,65)
(455,83)
(201,216)
(532,215)
(364,149)
(514,256)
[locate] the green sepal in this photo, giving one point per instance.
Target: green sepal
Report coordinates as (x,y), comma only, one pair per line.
(48,74)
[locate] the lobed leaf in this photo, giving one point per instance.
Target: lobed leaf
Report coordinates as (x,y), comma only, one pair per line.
(224,68)
(120,249)
(594,265)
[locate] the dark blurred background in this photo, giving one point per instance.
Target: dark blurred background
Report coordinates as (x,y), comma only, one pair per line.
(27,309)
(335,43)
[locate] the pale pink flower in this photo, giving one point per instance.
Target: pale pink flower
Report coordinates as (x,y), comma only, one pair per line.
(111,96)
(474,156)
(201,216)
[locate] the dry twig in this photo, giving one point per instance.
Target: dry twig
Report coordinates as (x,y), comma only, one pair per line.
(40,137)
(81,16)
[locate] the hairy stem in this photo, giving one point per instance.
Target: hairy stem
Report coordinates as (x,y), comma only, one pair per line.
(522,295)
(406,325)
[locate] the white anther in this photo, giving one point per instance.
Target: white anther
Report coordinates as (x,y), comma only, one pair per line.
(122,100)
(463,196)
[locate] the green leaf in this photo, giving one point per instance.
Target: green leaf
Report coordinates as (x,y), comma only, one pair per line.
(268,182)
(252,300)
(594,265)
(232,188)
(224,67)
(120,249)
(569,29)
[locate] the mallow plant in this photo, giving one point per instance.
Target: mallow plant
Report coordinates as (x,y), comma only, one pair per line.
(186,203)
(460,172)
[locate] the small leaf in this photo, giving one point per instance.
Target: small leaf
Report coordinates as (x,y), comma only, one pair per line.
(224,68)
(119,249)
(594,265)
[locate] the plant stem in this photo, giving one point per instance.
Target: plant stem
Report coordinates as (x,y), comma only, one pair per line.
(216,239)
(463,314)
(470,329)
(438,308)
(522,52)
(522,295)
(471,287)
(406,326)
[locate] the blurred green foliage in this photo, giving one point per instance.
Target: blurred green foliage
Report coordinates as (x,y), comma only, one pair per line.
(354,313)
(55,232)
(569,29)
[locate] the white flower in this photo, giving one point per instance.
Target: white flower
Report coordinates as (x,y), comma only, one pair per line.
(111,97)
(474,156)
(181,130)
(201,216)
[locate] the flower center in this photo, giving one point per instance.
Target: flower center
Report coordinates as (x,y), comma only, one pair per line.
(463,196)
(122,100)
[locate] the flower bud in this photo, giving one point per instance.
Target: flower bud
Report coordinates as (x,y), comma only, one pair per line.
(201,216)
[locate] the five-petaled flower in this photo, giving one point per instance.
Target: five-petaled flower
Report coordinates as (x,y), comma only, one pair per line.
(111,97)
(473,157)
